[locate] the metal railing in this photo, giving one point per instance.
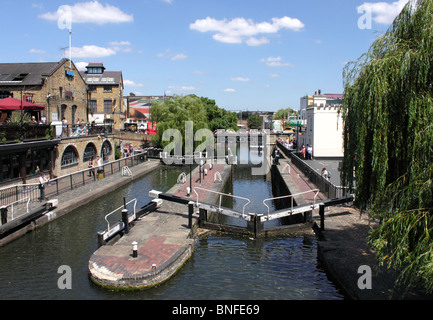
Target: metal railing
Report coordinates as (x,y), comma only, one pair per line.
(110,231)
(222,194)
(67,182)
(324,185)
(316,191)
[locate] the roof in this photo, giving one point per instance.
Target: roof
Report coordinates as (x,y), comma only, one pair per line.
(27,74)
(105,78)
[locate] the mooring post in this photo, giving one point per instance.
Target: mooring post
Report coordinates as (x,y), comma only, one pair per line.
(190,212)
(4,214)
(322,216)
(125,219)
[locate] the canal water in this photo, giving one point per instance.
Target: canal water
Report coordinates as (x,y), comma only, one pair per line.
(221,267)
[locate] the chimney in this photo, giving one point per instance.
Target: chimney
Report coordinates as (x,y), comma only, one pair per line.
(319,92)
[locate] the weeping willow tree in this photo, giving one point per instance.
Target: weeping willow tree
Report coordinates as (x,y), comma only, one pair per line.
(388,141)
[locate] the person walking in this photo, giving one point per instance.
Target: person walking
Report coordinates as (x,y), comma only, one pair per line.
(42,181)
(91,171)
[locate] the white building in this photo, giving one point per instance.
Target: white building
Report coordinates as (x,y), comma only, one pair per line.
(324,129)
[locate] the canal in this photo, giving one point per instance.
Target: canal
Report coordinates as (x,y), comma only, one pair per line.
(221,267)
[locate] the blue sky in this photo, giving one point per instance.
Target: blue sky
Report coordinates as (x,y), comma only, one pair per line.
(244,54)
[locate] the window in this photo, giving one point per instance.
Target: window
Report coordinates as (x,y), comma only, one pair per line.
(89,152)
(92,106)
(108,106)
(69,157)
(108,89)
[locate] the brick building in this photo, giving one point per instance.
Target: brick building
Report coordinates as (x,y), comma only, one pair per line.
(56,85)
(105,95)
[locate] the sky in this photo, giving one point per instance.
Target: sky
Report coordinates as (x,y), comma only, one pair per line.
(251,55)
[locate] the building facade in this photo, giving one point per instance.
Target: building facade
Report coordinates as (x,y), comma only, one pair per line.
(324,128)
(105,95)
(56,85)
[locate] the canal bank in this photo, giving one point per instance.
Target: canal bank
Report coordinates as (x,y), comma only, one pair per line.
(343,249)
(76,198)
(159,243)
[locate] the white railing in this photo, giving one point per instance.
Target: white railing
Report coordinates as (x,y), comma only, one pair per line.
(316,191)
(116,229)
(222,194)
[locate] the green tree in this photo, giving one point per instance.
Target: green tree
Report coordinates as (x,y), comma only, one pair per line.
(285,113)
(254,122)
(219,118)
(174,112)
(388,139)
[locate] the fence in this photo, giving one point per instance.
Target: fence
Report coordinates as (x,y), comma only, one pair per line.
(67,182)
(324,185)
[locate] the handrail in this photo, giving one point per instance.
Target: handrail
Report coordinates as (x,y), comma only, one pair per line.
(121,207)
(292,195)
(12,205)
(224,194)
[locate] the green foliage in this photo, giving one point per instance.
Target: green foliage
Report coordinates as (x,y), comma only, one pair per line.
(388,139)
(205,114)
(173,113)
(285,113)
(254,122)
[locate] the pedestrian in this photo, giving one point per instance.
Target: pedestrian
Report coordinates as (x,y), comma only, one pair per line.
(99,164)
(309,152)
(303,150)
(91,171)
(324,173)
(42,181)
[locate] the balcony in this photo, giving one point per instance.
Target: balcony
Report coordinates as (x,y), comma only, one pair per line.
(25,132)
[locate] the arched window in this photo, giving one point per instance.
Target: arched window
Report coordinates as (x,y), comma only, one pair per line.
(89,152)
(105,150)
(69,157)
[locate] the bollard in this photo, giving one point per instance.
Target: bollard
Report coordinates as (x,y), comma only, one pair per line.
(188,191)
(4,214)
(125,220)
(190,212)
(134,249)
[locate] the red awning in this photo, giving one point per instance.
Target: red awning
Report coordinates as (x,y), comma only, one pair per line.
(11,104)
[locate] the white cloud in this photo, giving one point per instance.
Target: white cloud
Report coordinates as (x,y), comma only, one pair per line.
(229,90)
(275,62)
(274,75)
(383,12)
(179,56)
(92,51)
(81,65)
(168,55)
(89,12)
(37,51)
(240,79)
(131,83)
(239,30)
(183,88)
